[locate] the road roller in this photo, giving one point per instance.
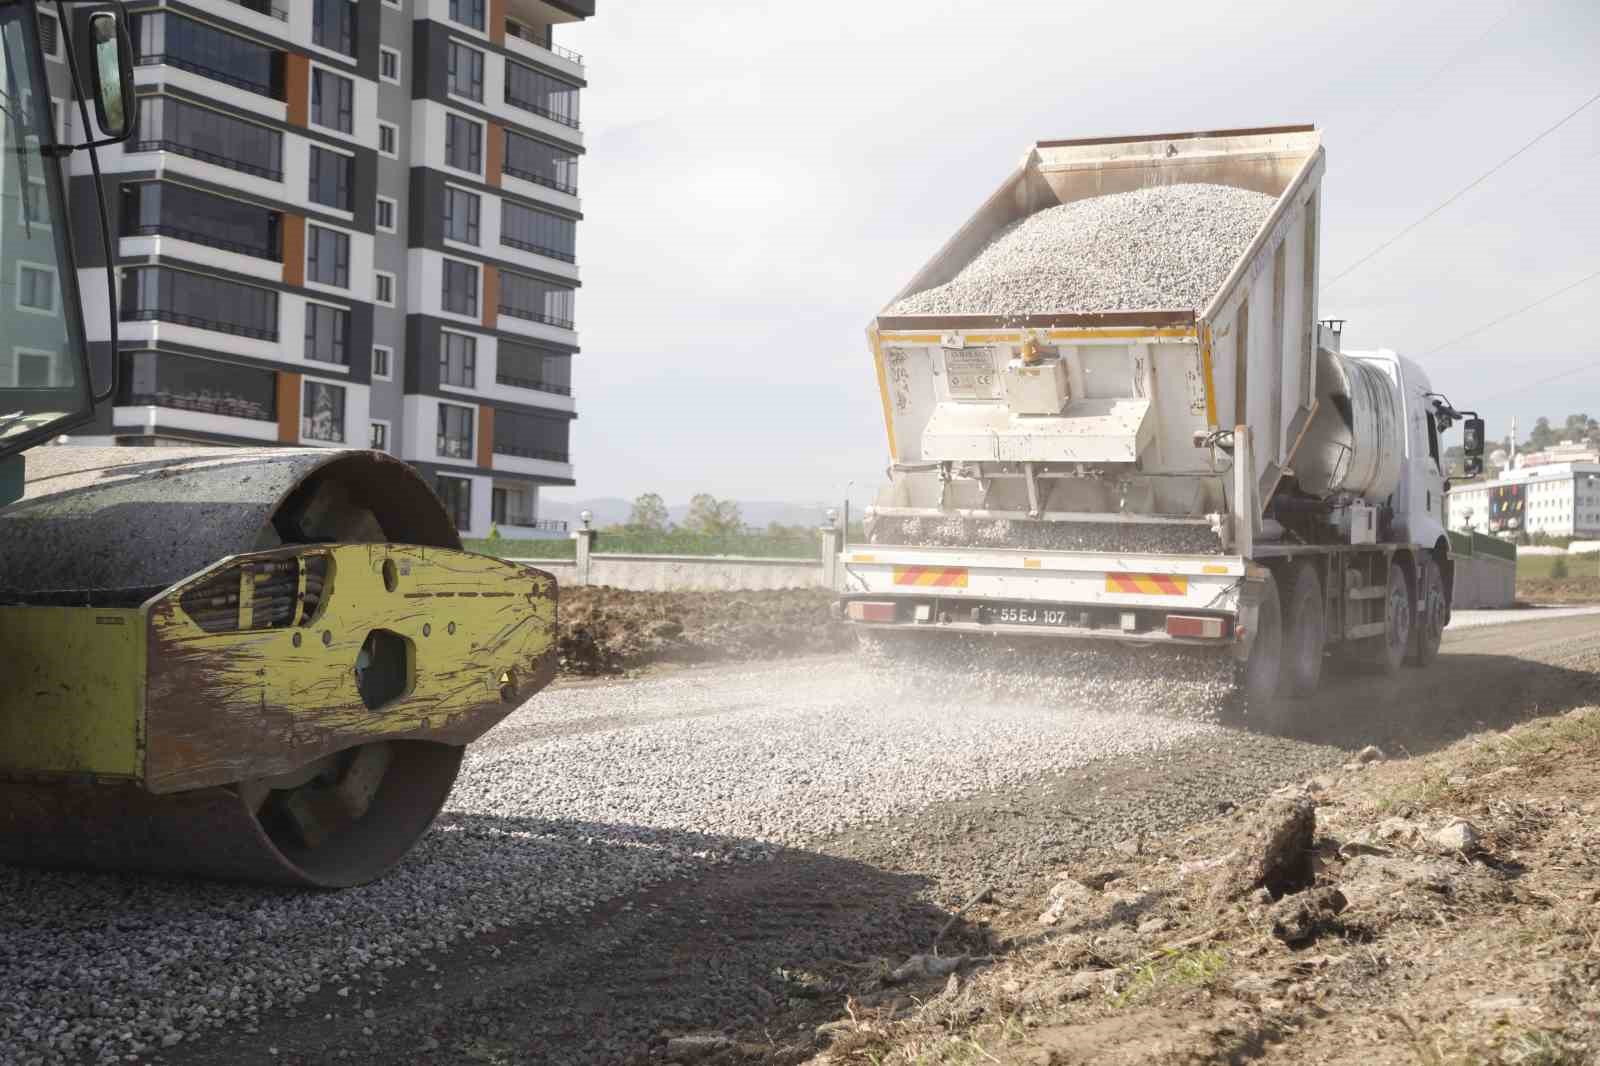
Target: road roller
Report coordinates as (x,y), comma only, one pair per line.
(258,664)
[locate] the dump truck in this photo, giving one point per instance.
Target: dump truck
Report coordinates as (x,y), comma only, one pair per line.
(254,664)
(1217,479)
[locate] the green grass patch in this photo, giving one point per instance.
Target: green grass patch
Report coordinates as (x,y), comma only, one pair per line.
(1195,968)
(1540,567)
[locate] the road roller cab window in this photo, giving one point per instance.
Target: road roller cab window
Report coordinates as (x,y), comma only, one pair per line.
(45,380)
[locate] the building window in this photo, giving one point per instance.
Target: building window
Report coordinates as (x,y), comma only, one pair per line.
(172,125)
(513,507)
(467,12)
(176,41)
(458,360)
(378,438)
(460,215)
(36,288)
(463,143)
(164,208)
(331,178)
(460,296)
(327,257)
(35,208)
(455,431)
(535,300)
(327,334)
(31,368)
(382,357)
(531,436)
(538,231)
(188,383)
(322,412)
(389,65)
(465,66)
(168,295)
(526,367)
(545,164)
(538,92)
(383,288)
(389,139)
(333,25)
(456,495)
(50,35)
(386,213)
(332,100)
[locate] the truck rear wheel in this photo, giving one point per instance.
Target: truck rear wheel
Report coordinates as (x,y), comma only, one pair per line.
(1398,609)
(1305,631)
(1432,613)
(1263,670)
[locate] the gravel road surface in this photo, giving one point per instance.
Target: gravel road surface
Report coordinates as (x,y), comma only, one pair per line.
(625,859)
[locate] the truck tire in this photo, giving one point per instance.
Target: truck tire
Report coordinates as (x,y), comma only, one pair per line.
(1399,610)
(1263,671)
(1433,612)
(1305,630)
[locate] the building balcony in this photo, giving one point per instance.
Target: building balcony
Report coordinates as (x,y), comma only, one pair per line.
(270,8)
(158,419)
(525,41)
(536,386)
(523,452)
(179,318)
(536,316)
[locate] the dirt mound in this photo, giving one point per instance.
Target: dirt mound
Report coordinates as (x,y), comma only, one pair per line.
(613,631)
(1445,913)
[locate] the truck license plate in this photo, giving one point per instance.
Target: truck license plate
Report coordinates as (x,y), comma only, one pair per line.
(1023,615)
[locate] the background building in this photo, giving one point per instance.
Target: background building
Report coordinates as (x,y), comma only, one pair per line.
(347,223)
(1537,495)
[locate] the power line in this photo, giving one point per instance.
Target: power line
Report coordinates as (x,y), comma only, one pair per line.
(1513,314)
(1479,180)
(1455,58)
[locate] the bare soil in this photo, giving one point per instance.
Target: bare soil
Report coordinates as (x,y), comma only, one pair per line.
(1584,589)
(615,631)
(1393,948)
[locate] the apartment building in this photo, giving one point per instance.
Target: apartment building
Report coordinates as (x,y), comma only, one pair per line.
(347,223)
(1558,498)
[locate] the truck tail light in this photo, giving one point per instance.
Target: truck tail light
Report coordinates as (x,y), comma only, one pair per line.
(1193,626)
(870,611)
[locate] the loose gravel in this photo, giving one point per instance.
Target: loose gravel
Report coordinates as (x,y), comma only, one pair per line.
(1167,247)
(712,769)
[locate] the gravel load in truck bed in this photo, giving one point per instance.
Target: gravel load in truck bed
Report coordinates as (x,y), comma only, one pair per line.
(1167,247)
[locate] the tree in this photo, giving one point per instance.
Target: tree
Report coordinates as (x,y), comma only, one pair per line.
(649,514)
(1542,436)
(713,517)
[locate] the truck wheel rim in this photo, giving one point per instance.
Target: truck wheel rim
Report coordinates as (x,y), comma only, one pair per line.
(1399,616)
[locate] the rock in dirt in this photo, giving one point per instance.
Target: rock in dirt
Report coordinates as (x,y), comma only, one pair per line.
(920,966)
(1369,880)
(1276,854)
(696,1048)
(1370,753)
(1067,895)
(1460,837)
(1304,916)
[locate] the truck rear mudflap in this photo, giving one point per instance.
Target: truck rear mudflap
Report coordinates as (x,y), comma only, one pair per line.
(1135,599)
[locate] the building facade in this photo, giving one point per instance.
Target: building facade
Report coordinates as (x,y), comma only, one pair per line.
(347,223)
(1555,498)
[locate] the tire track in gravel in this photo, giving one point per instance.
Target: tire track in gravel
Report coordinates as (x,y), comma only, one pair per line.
(719,948)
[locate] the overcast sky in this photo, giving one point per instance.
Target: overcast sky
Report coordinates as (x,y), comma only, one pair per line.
(761,177)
